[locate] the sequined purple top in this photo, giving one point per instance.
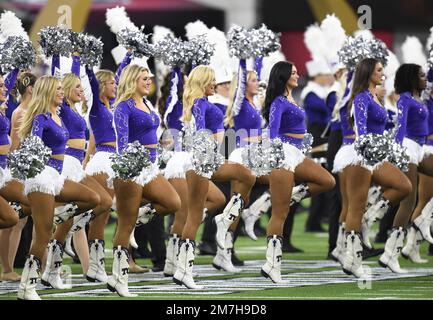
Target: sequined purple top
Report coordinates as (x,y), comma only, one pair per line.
(207,115)
(53,135)
(412,119)
(247,119)
(73,121)
(5,124)
(346,128)
(133,124)
(100,118)
(370,117)
(285,117)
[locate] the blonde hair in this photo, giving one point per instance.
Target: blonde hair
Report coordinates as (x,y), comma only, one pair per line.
(69,82)
(42,99)
(103,76)
(195,86)
(228,119)
(128,82)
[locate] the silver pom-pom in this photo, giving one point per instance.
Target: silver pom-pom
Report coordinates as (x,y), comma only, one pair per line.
(92,51)
(205,156)
(239,42)
(199,50)
(30,159)
(56,40)
(131,162)
(136,40)
(355,49)
(399,156)
(307,143)
(374,148)
(16,53)
(273,154)
(264,41)
(254,158)
(171,51)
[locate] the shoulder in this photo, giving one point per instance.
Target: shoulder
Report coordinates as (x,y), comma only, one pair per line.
(125,106)
(280,100)
(203,101)
(363,96)
(42,117)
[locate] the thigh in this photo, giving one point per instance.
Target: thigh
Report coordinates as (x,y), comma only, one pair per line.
(181,187)
(7,214)
(198,188)
(426,166)
(358,180)
(309,171)
(14,191)
(425,188)
(93,184)
(215,194)
(128,195)
(159,190)
(74,191)
(389,176)
(102,180)
(281,182)
(42,205)
(230,171)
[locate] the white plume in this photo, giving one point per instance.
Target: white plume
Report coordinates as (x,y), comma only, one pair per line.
(221,56)
(117,19)
(196,28)
(412,51)
(268,63)
(334,35)
(160,32)
(11,25)
(429,40)
(314,39)
(390,70)
(365,33)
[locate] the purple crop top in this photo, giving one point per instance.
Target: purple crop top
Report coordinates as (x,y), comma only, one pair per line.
(100,118)
(285,117)
(53,135)
(412,119)
(73,121)
(370,117)
(134,124)
(207,115)
(247,119)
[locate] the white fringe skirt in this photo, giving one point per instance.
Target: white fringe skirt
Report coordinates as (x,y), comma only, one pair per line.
(73,169)
(5,177)
(293,157)
(101,163)
(415,151)
(178,165)
(48,181)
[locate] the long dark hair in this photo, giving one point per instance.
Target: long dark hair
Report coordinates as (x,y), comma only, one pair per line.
(361,80)
(407,78)
(165,92)
(280,74)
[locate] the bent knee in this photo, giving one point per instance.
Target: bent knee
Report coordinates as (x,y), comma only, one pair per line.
(9,221)
(405,188)
(173,204)
(94,199)
(329,182)
(105,203)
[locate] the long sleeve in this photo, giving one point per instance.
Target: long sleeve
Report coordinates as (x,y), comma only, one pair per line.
(258,64)
(241,88)
(403,110)
(10,81)
(95,89)
(360,106)
(126,61)
(75,68)
(275,114)
(38,126)
(55,63)
(121,123)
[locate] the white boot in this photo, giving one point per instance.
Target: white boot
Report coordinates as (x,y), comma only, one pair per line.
(299,193)
(352,263)
(411,249)
(274,255)
(145,214)
(393,247)
(68,245)
(29,279)
(374,194)
(205,213)
(225,219)
(118,281)
(337,253)
(65,212)
(82,220)
(424,221)
(373,214)
(51,275)
(171,255)
(223,258)
(254,213)
(96,271)
(185,264)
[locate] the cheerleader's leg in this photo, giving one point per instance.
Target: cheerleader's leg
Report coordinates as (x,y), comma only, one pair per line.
(8,216)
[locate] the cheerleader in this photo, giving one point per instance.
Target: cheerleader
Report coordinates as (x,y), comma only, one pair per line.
(48,186)
(413,132)
(198,111)
(170,107)
(13,190)
(135,120)
(102,144)
(287,122)
(370,117)
(72,170)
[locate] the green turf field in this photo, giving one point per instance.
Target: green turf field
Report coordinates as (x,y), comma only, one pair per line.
(308,276)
